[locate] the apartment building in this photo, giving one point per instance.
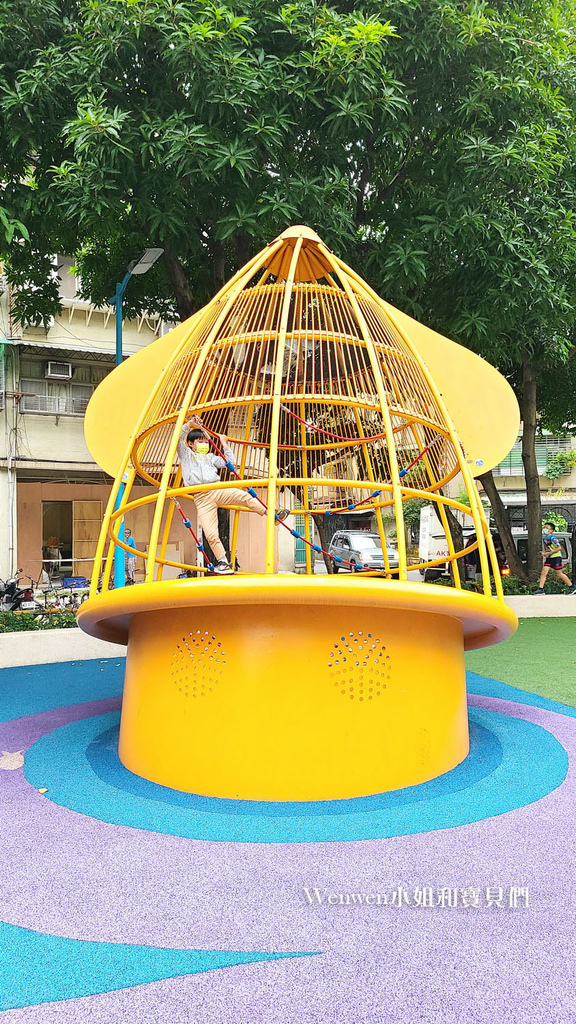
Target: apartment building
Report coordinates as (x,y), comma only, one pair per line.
(557,495)
(52,493)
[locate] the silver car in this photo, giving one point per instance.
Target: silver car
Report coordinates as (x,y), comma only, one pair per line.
(362,550)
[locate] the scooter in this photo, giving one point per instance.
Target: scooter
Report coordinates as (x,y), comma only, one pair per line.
(15,598)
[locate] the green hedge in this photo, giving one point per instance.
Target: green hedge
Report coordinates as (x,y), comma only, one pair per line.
(514,585)
(14,622)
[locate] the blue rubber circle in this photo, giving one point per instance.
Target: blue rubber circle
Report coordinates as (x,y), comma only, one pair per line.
(511,763)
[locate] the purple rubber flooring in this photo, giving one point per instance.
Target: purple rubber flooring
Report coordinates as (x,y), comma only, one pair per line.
(74,876)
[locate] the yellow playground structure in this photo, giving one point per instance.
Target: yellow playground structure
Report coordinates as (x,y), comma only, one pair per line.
(278,686)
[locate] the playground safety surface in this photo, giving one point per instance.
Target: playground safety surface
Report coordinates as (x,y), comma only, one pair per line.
(125,901)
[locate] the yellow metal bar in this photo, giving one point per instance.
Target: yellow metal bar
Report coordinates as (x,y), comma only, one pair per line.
(306,495)
(242,470)
(231,293)
(478,514)
(97,568)
(377,511)
(441,512)
(475,497)
(451,549)
(276,402)
(385,412)
(165,535)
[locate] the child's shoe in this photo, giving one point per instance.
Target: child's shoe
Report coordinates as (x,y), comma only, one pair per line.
(223,568)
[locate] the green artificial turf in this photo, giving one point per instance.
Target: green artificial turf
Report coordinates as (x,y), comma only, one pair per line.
(540,657)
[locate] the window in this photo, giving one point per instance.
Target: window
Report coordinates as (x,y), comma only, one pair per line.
(365,543)
(54,397)
(545,447)
(69,283)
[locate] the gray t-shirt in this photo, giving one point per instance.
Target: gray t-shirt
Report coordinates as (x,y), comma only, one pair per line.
(199,469)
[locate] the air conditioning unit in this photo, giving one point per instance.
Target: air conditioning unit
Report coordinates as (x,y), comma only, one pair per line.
(58,371)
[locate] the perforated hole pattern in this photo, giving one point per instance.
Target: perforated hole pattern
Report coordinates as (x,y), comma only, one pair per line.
(360,666)
(198,663)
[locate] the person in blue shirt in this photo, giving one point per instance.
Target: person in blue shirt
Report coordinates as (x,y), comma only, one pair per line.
(130,559)
(552,554)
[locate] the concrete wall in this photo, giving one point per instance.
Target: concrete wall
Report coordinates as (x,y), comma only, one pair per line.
(181,546)
(78,326)
(50,438)
(31,495)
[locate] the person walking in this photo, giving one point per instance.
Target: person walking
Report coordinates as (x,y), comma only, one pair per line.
(552,554)
(130,559)
(199,466)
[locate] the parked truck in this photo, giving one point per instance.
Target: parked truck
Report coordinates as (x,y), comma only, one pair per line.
(432,544)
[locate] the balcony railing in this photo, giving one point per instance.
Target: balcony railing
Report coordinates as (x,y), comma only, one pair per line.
(50,405)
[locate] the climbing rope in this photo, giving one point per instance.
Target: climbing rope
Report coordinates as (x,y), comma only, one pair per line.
(198,543)
(376,494)
(328,433)
(232,469)
(327,512)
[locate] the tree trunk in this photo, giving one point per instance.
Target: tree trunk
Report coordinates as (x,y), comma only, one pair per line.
(321,527)
(243,247)
(180,284)
(219,264)
(528,408)
(502,522)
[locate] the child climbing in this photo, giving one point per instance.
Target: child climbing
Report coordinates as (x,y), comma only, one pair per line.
(200,467)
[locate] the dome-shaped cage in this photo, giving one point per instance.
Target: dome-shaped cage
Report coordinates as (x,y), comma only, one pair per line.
(328,408)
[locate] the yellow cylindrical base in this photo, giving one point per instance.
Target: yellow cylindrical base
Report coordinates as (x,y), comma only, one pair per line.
(293,703)
(287,689)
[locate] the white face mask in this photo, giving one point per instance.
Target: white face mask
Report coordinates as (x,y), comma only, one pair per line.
(202,448)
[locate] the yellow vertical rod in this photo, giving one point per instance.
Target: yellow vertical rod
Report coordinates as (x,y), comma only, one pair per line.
(474,496)
(371,477)
(112,546)
(276,401)
(242,470)
(306,491)
(98,555)
(167,525)
(477,515)
(393,462)
(231,295)
(441,511)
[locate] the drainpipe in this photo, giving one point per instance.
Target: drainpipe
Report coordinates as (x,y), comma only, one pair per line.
(9,391)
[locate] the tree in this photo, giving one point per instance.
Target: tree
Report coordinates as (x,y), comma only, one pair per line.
(502,522)
(431,143)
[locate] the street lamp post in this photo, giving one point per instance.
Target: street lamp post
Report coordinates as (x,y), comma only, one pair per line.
(140,266)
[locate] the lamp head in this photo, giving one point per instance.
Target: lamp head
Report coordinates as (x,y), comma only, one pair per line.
(147,260)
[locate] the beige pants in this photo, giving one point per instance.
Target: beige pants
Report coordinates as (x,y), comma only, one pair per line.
(207,505)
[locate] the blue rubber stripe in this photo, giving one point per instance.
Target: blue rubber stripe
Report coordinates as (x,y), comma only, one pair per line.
(485,755)
(486,687)
(30,689)
(533,764)
(38,968)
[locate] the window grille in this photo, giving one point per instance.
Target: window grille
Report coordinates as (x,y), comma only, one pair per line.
(51,399)
(545,448)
